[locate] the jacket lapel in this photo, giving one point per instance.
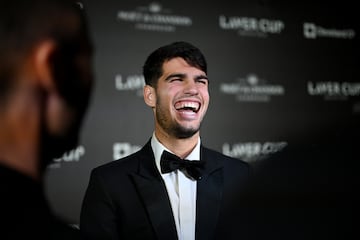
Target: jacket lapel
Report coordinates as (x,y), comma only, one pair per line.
(153,192)
(209,196)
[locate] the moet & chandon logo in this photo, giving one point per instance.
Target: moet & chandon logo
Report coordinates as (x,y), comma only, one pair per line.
(154,18)
(252,89)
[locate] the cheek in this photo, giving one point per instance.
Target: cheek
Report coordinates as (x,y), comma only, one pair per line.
(164,97)
(205,95)
(59,116)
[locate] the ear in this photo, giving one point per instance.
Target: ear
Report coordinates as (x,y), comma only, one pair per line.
(43,65)
(149,96)
(57,115)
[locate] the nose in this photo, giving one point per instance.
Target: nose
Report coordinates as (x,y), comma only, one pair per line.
(190,87)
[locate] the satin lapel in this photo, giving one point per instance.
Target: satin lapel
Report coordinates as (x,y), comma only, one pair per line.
(153,192)
(209,196)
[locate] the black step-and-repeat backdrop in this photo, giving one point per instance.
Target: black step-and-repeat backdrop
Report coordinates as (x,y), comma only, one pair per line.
(280,73)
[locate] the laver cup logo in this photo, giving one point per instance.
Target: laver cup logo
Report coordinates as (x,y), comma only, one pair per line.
(133,82)
(252,151)
(334,90)
(250,26)
(71,156)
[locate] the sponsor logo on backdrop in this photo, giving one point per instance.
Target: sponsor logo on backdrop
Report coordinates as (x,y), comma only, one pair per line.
(252,89)
(154,17)
(134,83)
(124,149)
(71,156)
(356,108)
(252,151)
(334,90)
(313,31)
(81,5)
(250,26)
(74,225)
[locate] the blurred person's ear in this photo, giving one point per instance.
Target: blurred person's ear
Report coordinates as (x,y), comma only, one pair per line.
(43,55)
(57,114)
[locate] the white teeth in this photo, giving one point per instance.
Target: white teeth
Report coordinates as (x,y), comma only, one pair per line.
(193,105)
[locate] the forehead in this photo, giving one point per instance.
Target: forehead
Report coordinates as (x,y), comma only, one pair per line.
(179,65)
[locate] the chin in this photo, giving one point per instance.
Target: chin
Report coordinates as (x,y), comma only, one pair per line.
(55,147)
(182,133)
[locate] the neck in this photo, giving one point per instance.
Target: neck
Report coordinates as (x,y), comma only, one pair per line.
(179,146)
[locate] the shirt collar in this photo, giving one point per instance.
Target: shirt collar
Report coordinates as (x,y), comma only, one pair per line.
(158,149)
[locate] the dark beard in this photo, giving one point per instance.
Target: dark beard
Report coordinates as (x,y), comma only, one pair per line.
(176,130)
(52,147)
(182,133)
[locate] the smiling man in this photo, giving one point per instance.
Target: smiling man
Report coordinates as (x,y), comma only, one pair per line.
(174,187)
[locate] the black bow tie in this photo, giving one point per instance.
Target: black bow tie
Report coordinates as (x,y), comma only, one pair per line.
(170,162)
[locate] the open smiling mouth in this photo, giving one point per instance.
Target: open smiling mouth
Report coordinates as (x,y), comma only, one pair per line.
(187,106)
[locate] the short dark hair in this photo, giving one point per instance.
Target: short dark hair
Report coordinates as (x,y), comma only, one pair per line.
(152,69)
(25,23)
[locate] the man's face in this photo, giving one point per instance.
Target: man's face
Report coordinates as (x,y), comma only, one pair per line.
(182,99)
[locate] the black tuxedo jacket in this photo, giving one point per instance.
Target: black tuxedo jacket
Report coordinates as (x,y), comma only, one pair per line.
(127,198)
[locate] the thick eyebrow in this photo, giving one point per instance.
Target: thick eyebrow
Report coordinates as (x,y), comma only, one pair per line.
(182,75)
(175,75)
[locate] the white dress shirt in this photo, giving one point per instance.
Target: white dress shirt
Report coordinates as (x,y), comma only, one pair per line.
(181,191)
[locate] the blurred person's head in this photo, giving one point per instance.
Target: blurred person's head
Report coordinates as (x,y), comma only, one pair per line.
(45,81)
